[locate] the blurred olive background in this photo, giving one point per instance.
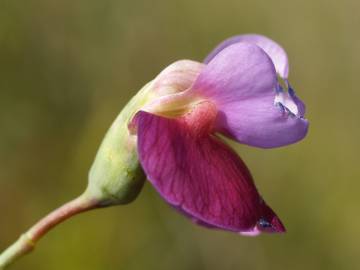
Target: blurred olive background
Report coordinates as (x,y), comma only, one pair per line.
(68,67)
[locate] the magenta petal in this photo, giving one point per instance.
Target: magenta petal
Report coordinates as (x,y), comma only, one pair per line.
(200,175)
(242,81)
(273,49)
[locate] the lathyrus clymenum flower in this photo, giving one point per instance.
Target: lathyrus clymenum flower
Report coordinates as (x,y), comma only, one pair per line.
(168,133)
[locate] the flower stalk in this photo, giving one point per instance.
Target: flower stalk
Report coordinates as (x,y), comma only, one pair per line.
(27,241)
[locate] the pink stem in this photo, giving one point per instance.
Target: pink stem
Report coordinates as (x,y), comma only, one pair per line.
(27,241)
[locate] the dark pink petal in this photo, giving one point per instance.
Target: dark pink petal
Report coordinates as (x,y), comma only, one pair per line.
(242,81)
(273,49)
(199,174)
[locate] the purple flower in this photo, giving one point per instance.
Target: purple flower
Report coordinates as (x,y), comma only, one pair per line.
(171,127)
(236,93)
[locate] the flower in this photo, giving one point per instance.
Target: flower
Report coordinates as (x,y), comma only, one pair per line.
(168,132)
(237,93)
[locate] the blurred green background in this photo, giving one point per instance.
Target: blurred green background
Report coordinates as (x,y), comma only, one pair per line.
(68,67)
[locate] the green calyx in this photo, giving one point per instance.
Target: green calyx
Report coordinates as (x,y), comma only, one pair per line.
(116,176)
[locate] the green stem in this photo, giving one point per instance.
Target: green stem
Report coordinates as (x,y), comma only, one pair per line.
(27,241)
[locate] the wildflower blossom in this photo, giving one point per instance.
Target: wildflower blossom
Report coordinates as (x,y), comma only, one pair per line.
(236,93)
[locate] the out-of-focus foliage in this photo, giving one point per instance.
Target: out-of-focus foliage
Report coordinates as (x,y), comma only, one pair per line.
(68,67)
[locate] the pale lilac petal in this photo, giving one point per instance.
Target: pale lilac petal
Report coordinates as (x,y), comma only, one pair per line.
(253,232)
(238,72)
(177,77)
(242,82)
(199,174)
(273,49)
(299,103)
(262,124)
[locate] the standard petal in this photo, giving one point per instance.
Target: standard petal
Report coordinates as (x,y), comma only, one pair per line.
(241,80)
(273,49)
(238,72)
(200,175)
